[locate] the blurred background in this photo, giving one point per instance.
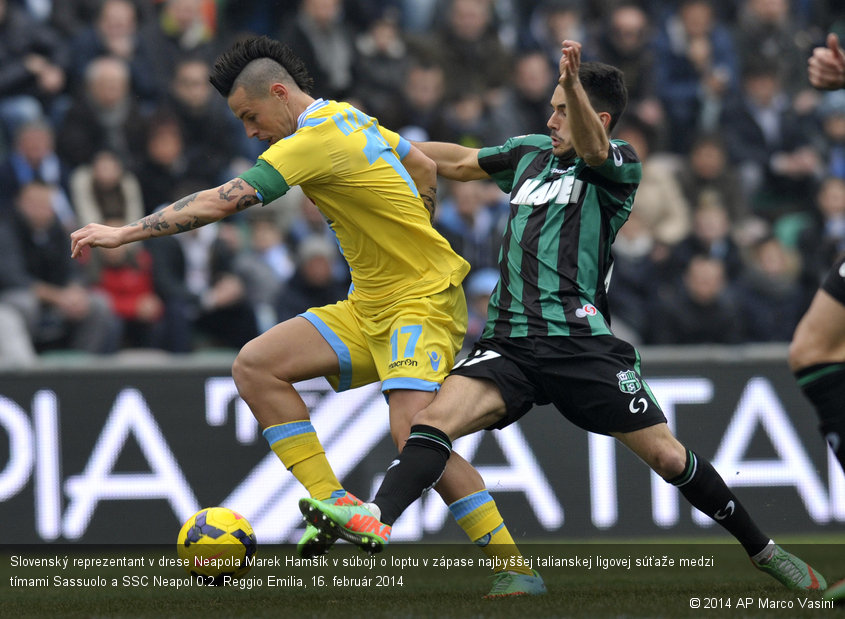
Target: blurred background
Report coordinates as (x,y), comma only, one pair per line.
(106,114)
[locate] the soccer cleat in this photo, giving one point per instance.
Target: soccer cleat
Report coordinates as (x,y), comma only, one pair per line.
(315,543)
(512,584)
(835,593)
(791,571)
(354,523)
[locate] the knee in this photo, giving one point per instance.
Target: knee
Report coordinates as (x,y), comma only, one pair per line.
(668,461)
(247,368)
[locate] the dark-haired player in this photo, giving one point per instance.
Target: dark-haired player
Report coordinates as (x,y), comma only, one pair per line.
(548,336)
(817,352)
(405,317)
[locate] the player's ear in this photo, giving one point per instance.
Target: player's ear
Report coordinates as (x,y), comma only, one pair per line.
(605,119)
(279,91)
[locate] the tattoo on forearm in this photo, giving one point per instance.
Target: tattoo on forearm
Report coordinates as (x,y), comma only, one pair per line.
(180,204)
(429,198)
(246,202)
(195,223)
(232,187)
(156,222)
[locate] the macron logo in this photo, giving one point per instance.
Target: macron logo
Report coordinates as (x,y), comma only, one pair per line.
(435,360)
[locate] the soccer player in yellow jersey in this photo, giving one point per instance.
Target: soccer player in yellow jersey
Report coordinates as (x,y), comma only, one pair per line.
(405,317)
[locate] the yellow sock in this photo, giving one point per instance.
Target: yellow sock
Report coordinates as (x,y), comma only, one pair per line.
(299,449)
(479,517)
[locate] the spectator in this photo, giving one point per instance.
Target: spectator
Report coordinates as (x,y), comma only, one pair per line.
(71,17)
(767,32)
(311,222)
(104,116)
(770,143)
(18,303)
(473,58)
(383,62)
(695,67)
(710,236)
(205,301)
(553,21)
(702,311)
(479,287)
(319,36)
(524,107)
(34,158)
(115,33)
(660,202)
(625,40)
(469,121)
(418,109)
(164,163)
(831,112)
(769,293)
(124,274)
(266,266)
(313,284)
(105,190)
(824,238)
(181,28)
(472,222)
(32,71)
(68,315)
(707,176)
(631,293)
(210,156)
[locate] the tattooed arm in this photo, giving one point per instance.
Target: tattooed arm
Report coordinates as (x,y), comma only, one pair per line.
(188,213)
(423,172)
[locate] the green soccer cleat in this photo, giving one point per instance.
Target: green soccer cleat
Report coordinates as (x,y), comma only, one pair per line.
(513,584)
(315,543)
(354,523)
(835,593)
(791,571)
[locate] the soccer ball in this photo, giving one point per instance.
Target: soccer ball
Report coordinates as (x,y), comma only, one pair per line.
(216,542)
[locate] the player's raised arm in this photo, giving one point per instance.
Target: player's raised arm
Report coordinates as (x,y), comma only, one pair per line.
(453,161)
(587,128)
(826,67)
(188,213)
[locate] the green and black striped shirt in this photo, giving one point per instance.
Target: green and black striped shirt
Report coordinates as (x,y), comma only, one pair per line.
(555,258)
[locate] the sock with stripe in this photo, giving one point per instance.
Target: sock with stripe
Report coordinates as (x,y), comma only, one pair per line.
(824,386)
(299,449)
(479,517)
(414,471)
(705,489)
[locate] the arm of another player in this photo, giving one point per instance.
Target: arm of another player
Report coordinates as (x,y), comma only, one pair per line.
(587,131)
(454,161)
(826,67)
(423,172)
(188,213)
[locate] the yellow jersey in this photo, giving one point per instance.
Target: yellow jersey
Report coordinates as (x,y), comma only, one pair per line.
(351,168)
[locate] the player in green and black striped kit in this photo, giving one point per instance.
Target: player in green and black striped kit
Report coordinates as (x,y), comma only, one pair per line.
(548,336)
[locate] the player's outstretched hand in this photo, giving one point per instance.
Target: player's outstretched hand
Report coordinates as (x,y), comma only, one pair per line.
(94,235)
(570,62)
(826,67)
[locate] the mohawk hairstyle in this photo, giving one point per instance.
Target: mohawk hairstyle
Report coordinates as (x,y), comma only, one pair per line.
(231,63)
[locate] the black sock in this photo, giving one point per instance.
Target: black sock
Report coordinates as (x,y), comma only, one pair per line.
(415,470)
(702,486)
(824,386)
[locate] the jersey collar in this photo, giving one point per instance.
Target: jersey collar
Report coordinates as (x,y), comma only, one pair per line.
(316,105)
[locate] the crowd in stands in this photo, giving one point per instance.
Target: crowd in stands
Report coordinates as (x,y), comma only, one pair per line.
(106,114)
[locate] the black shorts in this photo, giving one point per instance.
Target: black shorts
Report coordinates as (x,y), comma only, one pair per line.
(834,281)
(593,381)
